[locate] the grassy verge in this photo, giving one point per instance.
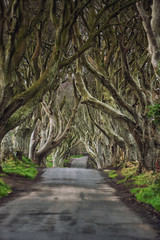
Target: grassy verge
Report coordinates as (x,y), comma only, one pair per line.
(112,174)
(145,186)
(12,165)
(25,168)
(5,190)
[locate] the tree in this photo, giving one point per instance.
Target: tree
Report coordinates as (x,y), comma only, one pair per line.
(130,111)
(102,45)
(56,127)
(152,29)
(18,29)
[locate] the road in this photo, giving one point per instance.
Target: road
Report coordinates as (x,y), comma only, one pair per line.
(79,162)
(71,204)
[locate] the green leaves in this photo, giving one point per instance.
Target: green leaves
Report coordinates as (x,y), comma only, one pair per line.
(154,113)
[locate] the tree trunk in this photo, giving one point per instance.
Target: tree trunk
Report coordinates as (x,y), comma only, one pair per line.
(21,139)
(7,145)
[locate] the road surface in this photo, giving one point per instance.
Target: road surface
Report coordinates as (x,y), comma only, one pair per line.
(71,204)
(79,162)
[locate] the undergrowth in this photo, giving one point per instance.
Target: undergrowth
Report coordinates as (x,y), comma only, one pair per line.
(25,168)
(145,186)
(149,195)
(112,174)
(49,162)
(4,189)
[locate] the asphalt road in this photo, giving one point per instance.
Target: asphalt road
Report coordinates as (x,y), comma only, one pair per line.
(71,204)
(79,162)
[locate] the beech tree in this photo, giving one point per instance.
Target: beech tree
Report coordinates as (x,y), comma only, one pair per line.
(18,24)
(56,127)
(102,45)
(131,110)
(152,29)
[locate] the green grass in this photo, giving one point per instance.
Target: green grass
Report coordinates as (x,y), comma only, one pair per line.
(130,171)
(145,178)
(122,181)
(49,162)
(25,168)
(4,189)
(76,156)
(149,195)
(66,161)
(28,161)
(147,185)
(112,174)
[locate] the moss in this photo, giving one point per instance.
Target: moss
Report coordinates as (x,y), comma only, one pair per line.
(14,166)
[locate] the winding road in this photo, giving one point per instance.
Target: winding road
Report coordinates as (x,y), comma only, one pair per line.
(71,204)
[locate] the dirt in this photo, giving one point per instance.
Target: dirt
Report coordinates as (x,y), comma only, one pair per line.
(144,210)
(19,184)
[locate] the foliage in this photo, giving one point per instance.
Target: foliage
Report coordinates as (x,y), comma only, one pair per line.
(4,189)
(122,181)
(15,166)
(149,195)
(28,161)
(49,162)
(129,171)
(154,113)
(66,162)
(145,178)
(112,174)
(76,156)
(148,182)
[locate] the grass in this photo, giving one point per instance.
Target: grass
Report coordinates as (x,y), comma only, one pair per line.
(25,168)
(130,171)
(149,195)
(49,162)
(5,190)
(12,165)
(112,174)
(76,156)
(66,161)
(147,185)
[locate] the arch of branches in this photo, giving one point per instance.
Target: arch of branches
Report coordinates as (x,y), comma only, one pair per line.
(76,72)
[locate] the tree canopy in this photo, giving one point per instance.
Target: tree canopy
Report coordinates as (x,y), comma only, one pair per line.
(81,71)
